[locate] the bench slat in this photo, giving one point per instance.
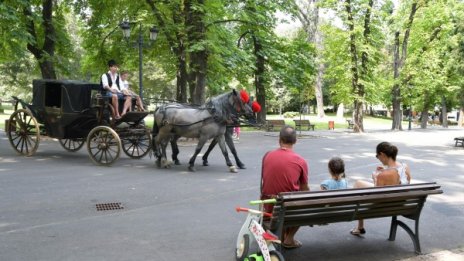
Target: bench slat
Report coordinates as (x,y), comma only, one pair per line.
(362,198)
(271,124)
(297,195)
(303,123)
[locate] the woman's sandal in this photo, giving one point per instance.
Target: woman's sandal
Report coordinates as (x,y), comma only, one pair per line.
(357,232)
(296,244)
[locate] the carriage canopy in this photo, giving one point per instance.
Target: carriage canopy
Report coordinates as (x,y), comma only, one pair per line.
(68,96)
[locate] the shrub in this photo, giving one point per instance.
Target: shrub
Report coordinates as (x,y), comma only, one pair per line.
(291,114)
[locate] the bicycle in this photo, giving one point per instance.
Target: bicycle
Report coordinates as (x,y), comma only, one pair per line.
(252,229)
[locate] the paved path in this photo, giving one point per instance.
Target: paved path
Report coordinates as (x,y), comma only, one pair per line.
(47,202)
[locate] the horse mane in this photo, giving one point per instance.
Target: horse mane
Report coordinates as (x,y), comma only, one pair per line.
(220,107)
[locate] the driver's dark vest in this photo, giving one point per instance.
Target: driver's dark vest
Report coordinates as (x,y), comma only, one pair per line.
(110,82)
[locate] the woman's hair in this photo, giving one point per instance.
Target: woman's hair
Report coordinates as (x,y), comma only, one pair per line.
(337,166)
(388,149)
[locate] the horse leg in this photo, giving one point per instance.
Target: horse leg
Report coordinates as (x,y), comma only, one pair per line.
(230,144)
(165,163)
(160,151)
(175,150)
(201,143)
(222,145)
(210,148)
(156,144)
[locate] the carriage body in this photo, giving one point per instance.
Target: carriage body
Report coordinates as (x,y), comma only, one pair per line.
(64,107)
(74,112)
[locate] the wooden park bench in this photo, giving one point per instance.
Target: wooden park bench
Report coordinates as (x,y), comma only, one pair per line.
(350,124)
(324,207)
(459,141)
(273,124)
(299,124)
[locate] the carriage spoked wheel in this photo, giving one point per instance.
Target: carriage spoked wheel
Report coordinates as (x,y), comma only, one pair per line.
(137,145)
(23,132)
(103,145)
(72,145)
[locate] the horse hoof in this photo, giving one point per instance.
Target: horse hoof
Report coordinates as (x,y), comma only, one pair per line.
(241,166)
(192,168)
(233,169)
(164,163)
(205,163)
(177,162)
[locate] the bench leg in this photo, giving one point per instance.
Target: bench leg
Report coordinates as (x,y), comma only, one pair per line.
(414,236)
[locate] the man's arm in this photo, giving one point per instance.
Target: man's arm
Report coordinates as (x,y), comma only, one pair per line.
(104,80)
(304,187)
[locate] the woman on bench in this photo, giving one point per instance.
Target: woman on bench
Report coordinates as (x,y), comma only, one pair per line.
(391,173)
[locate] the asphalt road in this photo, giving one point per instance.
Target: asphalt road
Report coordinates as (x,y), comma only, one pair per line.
(48,201)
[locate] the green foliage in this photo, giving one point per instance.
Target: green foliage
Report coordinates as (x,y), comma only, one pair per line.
(291,114)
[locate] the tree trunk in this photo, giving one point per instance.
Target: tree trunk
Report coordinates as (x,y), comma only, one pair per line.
(196,33)
(309,18)
(357,113)
(396,87)
(319,77)
(44,54)
(178,48)
(444,113)
(340,111)
(260,79)
(182,75)
(397,65)
(425,111)
(199,96)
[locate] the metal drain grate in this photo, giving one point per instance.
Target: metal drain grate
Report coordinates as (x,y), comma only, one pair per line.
(109,206)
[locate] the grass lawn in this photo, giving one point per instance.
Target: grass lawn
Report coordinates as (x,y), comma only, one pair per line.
(320,124)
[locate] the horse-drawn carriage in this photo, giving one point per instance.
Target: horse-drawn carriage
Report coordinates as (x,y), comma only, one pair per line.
(75,112)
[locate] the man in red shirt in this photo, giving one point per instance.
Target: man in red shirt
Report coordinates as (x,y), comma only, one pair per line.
(284,171)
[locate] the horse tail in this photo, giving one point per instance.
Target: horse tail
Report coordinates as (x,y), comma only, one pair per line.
(154,133)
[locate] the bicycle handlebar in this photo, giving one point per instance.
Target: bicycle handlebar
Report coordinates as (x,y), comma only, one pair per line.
(253,211)
(265,201)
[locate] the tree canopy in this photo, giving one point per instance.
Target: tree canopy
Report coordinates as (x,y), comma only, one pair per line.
(360,53)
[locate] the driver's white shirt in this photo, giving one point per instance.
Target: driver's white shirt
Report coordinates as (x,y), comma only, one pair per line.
(113,80)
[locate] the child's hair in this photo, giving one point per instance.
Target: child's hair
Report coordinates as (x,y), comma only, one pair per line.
(337,167)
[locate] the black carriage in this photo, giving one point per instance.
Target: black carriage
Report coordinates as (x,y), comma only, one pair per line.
(74,112)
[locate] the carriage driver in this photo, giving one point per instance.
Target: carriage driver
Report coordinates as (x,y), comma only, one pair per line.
(111,82)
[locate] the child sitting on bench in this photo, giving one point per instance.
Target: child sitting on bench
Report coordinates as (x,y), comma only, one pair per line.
(337,173)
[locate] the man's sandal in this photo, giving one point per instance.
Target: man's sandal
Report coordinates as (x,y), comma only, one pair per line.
(357,232)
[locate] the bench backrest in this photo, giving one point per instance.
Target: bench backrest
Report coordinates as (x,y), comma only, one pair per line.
(319,207)
(301,121)
(276,122)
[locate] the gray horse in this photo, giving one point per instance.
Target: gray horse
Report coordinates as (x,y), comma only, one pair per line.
(206,122)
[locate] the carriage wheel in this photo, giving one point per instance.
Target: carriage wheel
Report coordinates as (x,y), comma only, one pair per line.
(23,132)
(104,145)
(137,146)
(72,145)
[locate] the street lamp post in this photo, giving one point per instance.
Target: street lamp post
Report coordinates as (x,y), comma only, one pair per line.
(125,26)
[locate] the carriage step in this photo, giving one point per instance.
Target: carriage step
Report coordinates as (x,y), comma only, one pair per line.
(133,116)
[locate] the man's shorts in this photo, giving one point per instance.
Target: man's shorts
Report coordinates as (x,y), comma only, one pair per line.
(110,94)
